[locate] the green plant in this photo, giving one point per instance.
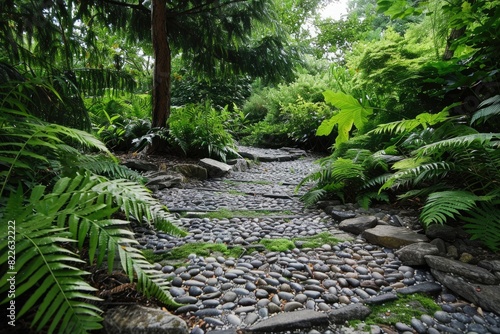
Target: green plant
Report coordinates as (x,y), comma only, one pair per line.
(351,112)
(278,245)
(65,217)
(318,240)
(202,249)
(402,310)
(199,130)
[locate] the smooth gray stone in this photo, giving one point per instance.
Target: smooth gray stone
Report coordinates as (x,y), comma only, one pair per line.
(414,254)
(349,312)
(291,321)
(429,288)
(381,299)
(392,237)
(135,319)
(358,225)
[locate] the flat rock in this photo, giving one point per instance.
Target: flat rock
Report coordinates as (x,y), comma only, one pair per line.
(215,168)
(290,321)
(135,319)
(358,225)
(485,296)
(140,165)
(392,236)
(381,299)
(192,171)
(269,155)
(468,271)
(349,312)
(161,180)
(339,215)
(414,254)
(429,288)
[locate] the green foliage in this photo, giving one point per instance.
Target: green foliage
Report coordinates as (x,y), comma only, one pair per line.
(278,245)
(350,113)
(318,240)
(64,210)
(199,130)
(402,310)
(199,248)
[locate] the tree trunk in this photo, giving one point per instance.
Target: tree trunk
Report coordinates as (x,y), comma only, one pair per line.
(454,34)
(162,68)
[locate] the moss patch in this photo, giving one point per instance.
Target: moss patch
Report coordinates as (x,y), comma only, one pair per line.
(278,245)
(318,240)
(402,310)
(201,249)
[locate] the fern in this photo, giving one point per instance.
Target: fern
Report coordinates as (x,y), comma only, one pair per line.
(484,223)
(447,204)
(489,108)
(459,143)
(45,269)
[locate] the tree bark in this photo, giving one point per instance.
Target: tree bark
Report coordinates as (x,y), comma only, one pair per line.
(454,34)
(162,68)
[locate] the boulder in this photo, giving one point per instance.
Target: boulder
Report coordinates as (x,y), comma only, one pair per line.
(215,168)
(161,180)
(339,215)
(467,271)
(349,312)
(358,225)
(140,165)
(414,254)
(392,236)
(485,296)
(192,171)
(136,319)
(239,165)
(290,321)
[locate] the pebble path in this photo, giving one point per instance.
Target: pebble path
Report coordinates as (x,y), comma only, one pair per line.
(224,294)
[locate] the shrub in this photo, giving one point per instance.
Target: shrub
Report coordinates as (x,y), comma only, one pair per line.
(199,130)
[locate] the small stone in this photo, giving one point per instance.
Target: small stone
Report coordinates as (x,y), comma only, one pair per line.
(442,317)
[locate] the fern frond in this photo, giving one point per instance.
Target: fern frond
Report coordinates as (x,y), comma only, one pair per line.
(312,197)
(489,108)
(461,142)
(484,223)
(151,282)
(447,204)
(46,269)
(418,174)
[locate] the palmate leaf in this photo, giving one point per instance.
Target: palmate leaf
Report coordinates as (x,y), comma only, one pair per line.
(351,113)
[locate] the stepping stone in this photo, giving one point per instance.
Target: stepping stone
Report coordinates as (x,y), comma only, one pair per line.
(291,321)
(392,236)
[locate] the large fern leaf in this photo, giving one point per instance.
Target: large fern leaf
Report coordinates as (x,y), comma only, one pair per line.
(484,223)
(440,206)
(47,270)
(489,108)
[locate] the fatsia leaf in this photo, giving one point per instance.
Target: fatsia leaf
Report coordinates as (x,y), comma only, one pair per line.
(350,113)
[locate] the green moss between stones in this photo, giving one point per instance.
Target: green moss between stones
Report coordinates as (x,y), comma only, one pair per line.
(278,245)
(401,310)
(201,249)
(318,240)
